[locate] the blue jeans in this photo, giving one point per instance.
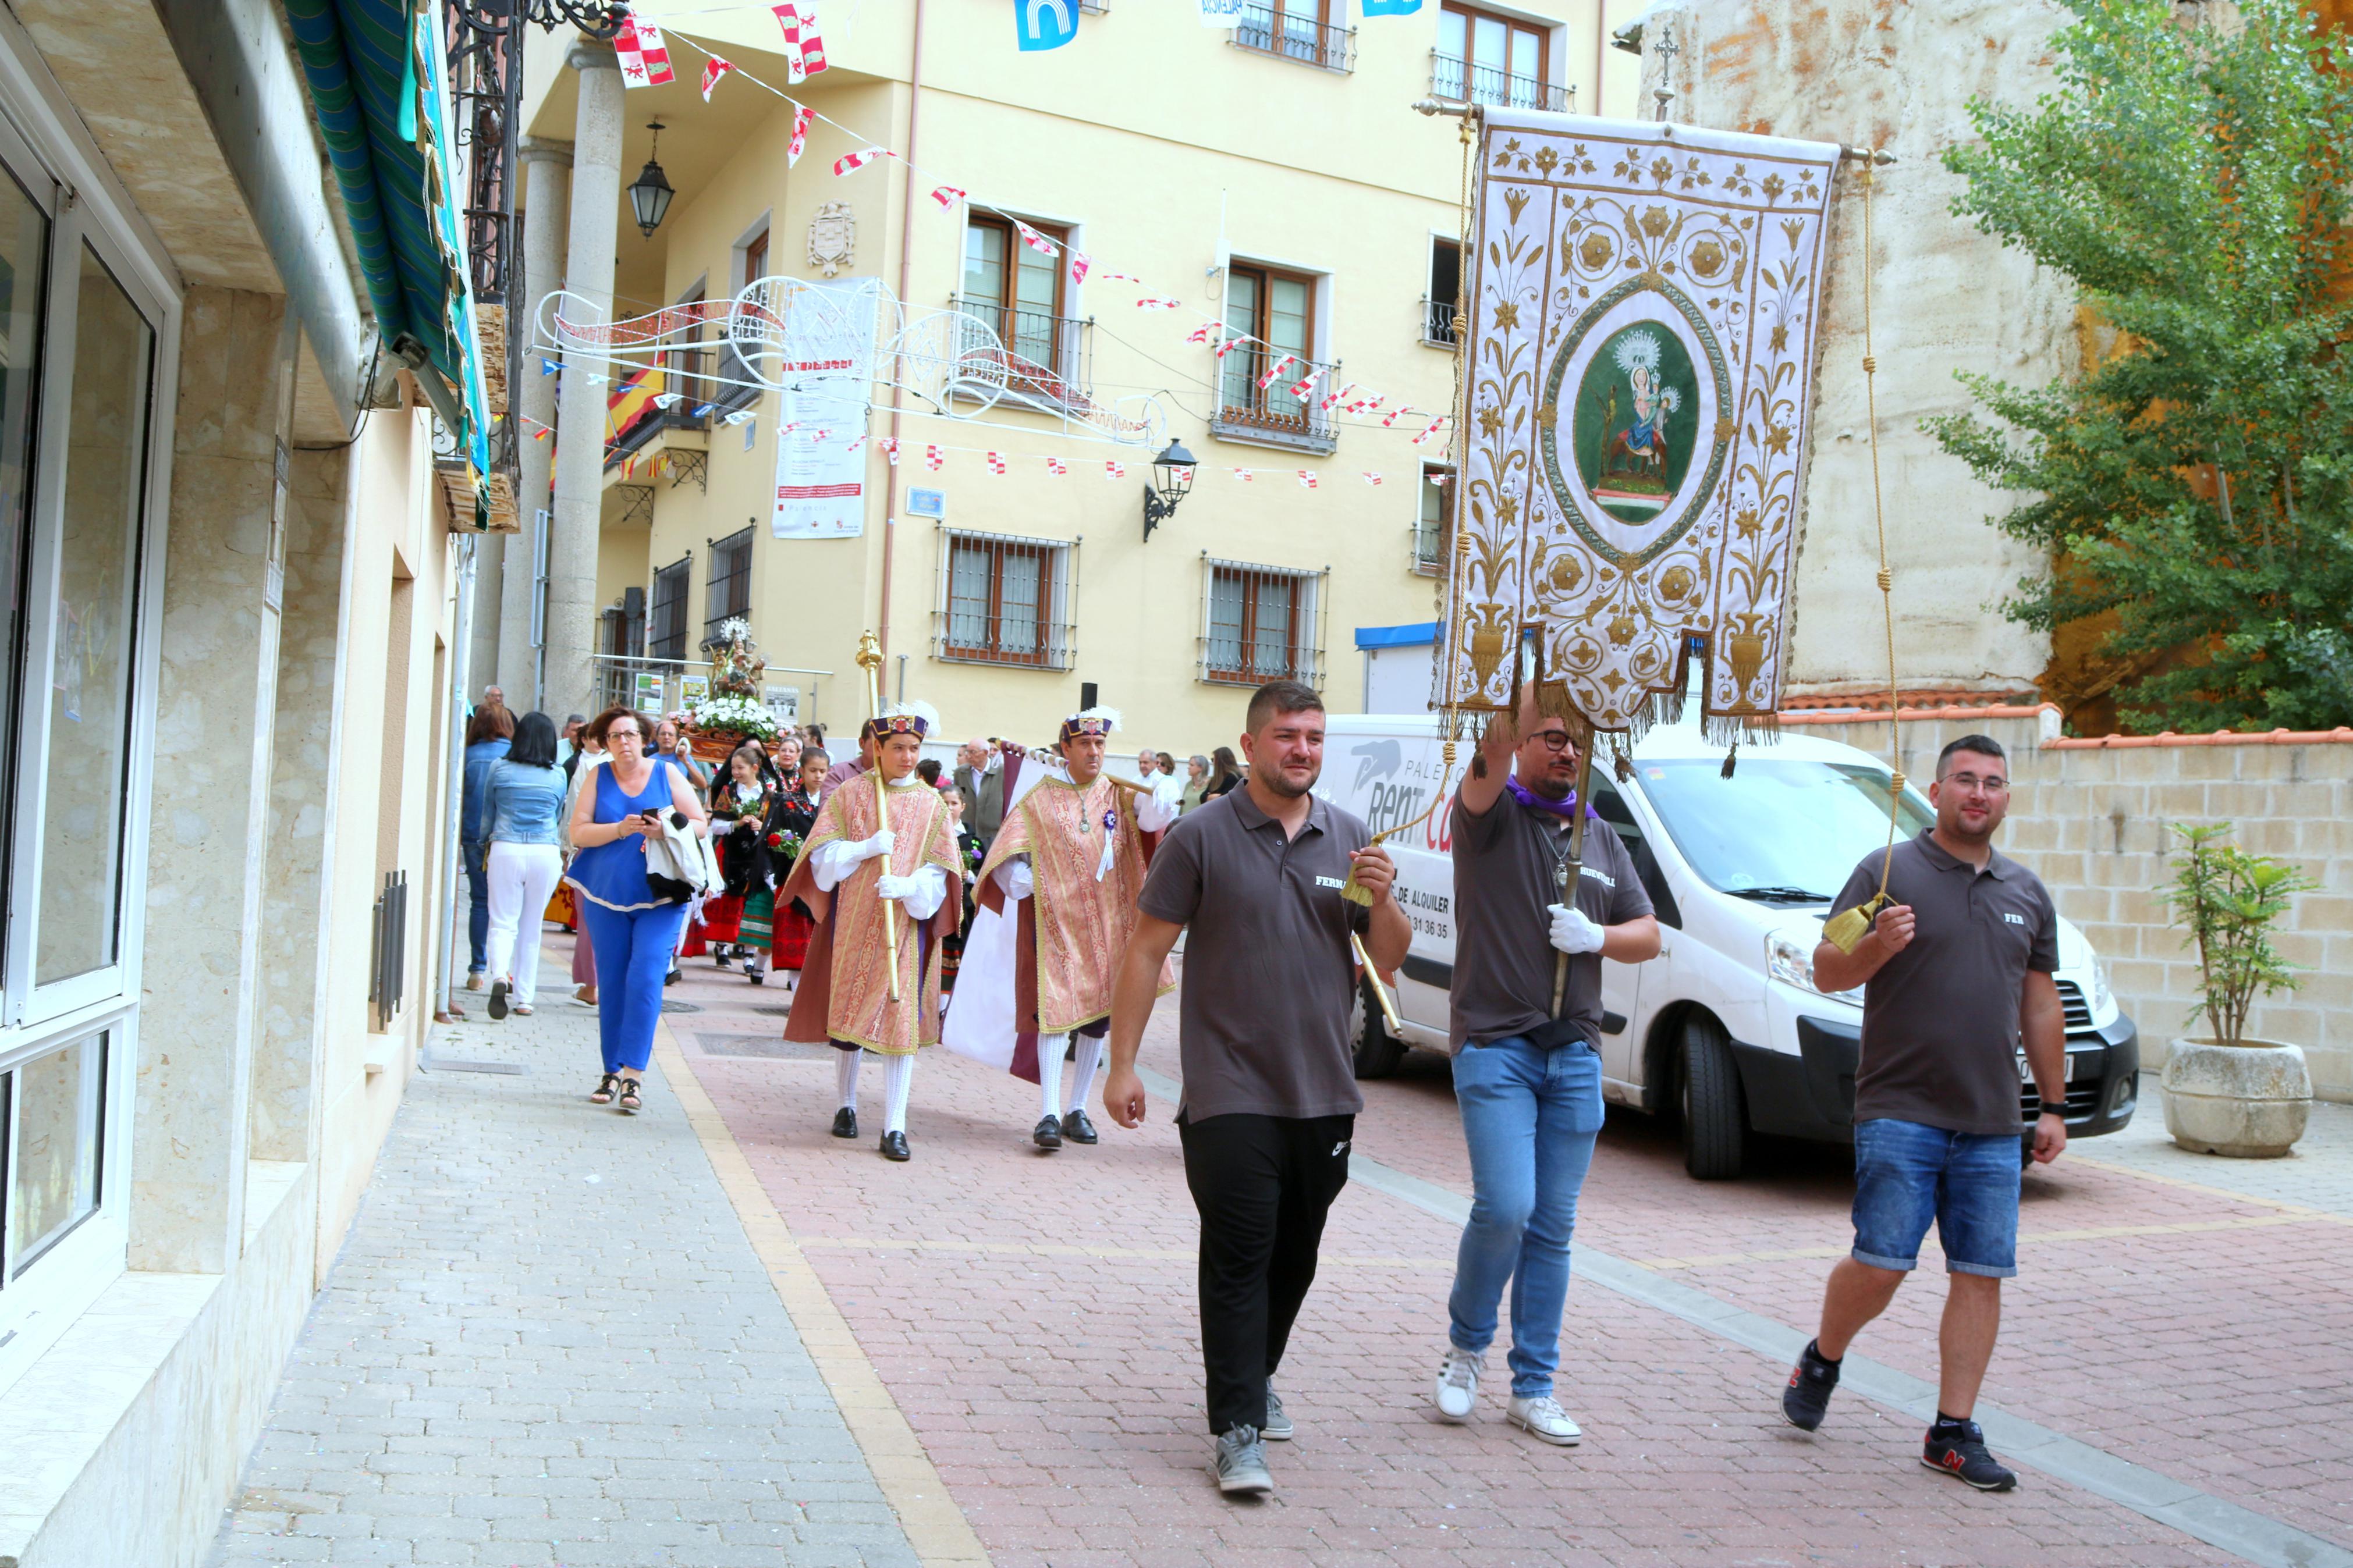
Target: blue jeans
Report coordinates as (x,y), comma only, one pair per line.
(478,913)
(1908,1173)
(1530,1116)
(633,953)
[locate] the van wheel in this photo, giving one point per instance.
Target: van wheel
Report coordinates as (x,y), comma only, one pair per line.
(1716,1121)
(1378,1052)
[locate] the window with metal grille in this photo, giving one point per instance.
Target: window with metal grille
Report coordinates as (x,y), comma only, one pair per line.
(1005,600)
(1276,309)
(1483,58)
(665,611)
(1260,623)
(1429,519)
(1445,288)
(728,595)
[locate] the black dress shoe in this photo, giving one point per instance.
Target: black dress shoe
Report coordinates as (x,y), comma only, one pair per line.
(1076,1127)
(1047,1133)
(845,1123)
(673,977)
(894,1146)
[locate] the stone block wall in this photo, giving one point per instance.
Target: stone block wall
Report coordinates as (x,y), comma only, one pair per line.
(2093,819)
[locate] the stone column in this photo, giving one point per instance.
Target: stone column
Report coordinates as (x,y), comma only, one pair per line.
(546,198)
(214,712)
(580,417)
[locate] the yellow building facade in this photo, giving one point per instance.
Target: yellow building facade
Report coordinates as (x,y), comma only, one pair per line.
(1272,174)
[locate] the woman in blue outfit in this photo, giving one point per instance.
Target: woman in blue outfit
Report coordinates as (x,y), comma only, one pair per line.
(634,932)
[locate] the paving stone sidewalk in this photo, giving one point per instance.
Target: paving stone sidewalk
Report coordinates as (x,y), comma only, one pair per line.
(547,1341)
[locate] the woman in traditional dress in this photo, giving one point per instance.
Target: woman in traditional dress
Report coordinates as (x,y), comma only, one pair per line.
(739,804)
(792,812)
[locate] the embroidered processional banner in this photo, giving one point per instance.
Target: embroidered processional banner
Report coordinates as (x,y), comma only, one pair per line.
(1642,336)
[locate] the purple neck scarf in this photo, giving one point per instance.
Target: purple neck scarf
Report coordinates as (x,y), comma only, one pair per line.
(1565,806)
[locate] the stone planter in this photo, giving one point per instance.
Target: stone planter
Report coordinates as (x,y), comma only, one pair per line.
(2246,1102)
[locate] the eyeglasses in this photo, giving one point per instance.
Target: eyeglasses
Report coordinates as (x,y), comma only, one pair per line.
(1552,740)
(1994,786)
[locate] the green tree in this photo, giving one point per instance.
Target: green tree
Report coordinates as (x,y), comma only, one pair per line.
(2193,181)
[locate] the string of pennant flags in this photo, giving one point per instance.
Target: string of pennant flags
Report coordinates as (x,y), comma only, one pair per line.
(644,51)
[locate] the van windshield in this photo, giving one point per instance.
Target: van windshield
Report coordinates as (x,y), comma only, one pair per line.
(1778,831)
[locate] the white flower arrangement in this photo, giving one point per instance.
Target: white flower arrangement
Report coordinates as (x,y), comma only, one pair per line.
(745,713)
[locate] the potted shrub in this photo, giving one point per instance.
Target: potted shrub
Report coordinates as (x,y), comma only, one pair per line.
(2230,1094)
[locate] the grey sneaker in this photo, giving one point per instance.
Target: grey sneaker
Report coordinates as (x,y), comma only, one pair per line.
(1458,1382)
(1278,1428)
(1240,1464)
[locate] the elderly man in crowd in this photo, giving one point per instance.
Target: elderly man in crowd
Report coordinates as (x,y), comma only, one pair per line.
(980,775)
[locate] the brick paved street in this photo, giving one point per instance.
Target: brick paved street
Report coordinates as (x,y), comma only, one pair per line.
(1033,1319)
(548,1341)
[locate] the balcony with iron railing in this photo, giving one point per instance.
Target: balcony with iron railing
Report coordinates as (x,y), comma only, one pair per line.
(1323,44)
(1437,330)
(1047,361)
(1459,81)
(1273,415)
(1426,545)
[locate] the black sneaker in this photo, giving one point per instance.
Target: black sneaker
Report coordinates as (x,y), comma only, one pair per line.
(845,1123)
(1963,1454)
(1047,1133)
(1809,1394)
(1077,1129)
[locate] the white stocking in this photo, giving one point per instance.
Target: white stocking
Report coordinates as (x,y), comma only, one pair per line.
(845,1078)
(1050,1075)
(898,1076)
(1090,1059)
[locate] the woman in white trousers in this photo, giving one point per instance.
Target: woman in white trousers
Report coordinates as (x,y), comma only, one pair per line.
(525,802)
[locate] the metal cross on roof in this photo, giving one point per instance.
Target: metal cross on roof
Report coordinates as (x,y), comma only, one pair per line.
(1666,49)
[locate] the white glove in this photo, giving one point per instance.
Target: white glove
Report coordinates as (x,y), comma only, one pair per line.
(1015,878)
(1572,932)
(880,844)
(886,886)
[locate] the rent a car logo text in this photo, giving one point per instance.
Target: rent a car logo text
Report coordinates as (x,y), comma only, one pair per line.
(1395,789)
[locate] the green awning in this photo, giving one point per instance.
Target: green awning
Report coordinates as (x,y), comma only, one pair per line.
(376,82)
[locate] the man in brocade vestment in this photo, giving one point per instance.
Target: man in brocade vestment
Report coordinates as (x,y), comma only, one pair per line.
(1058,902)
(860,870)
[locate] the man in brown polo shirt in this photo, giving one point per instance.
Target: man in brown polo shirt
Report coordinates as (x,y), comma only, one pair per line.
(1253,880)
(1957,972)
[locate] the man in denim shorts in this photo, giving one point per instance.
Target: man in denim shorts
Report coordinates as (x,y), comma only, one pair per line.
(1957,972)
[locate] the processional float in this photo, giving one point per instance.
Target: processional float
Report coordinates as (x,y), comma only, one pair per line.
(1640,330)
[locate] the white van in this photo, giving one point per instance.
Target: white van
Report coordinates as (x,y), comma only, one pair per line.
(1725,1027)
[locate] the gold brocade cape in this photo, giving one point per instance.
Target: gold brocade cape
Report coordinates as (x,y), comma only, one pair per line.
(844,994)
(1075,926)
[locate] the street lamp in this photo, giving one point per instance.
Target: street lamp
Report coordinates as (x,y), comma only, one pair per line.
(650,194)
(1173,471)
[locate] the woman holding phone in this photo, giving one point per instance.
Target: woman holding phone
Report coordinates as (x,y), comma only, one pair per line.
(634,932)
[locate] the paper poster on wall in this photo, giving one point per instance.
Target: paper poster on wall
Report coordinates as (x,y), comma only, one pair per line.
(648,692)
(821,417)
(693,689)
(783,703)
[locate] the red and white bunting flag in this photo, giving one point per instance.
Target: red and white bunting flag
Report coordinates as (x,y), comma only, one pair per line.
(1113,471)
(1242,474)
(1123,278)
(1308,384)
(995,462)
(790,426)
(1080,262)
(1200,334)
(890,445)
(948,195)
(819,435)
(1276,369)
(1036,241)
(1056,467)
(1158,302)
(934,458)
(856,445)
(1229,344)
(1371,477)
(1391,417)
(803,118)
(1336,394)
(712,69)
(804,50)
(850,162)
(645,57)
(1430,429)
(1306,479)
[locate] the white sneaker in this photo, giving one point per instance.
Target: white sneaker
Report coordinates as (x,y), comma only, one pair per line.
(1543,1417)
(1458,1382)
